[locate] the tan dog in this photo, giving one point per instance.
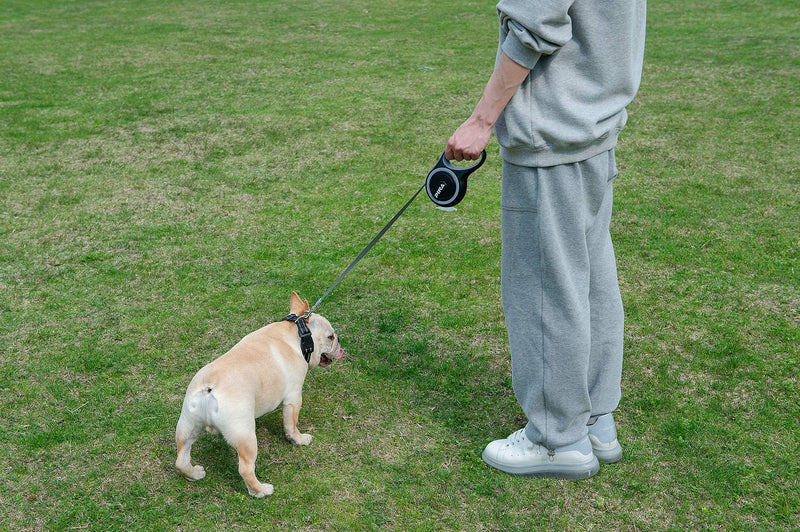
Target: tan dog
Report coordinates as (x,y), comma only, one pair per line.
(266,368)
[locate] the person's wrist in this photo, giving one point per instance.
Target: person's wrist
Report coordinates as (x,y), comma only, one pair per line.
(482,121)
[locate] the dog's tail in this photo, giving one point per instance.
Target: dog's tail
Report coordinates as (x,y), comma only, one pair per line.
(211,407)
(203,406)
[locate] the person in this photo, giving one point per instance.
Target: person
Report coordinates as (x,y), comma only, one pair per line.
(564,74)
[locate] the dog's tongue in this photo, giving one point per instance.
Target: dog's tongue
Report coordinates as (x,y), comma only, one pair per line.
(340,355)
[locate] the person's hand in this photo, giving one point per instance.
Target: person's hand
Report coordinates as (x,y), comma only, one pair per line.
(469,140)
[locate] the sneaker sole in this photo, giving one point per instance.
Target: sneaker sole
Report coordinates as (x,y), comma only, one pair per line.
(609,456)
(566,472)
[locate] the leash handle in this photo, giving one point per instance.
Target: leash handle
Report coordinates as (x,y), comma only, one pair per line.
(462,170)
(366,249)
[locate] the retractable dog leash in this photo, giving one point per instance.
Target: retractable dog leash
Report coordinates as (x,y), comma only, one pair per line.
(446,185)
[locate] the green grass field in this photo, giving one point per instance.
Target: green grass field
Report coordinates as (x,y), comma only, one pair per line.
(171,171)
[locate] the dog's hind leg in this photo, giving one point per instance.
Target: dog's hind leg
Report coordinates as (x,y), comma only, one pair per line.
(247,447)
(186,433)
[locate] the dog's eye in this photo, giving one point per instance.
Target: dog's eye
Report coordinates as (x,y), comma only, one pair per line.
(331,337)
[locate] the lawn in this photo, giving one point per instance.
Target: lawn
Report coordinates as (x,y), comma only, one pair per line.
(171,171)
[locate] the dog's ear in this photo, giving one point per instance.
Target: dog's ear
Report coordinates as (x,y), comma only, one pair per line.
(297,306)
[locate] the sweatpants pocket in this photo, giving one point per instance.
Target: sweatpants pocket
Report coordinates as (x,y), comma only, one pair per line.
(519,189)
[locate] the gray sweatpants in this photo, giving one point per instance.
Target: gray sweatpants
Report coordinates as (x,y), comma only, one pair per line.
(561,296)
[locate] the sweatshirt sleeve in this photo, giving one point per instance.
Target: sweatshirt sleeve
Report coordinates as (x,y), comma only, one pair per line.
(533,28)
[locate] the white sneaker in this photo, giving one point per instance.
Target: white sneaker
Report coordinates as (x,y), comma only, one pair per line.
(518,455)
(603,435)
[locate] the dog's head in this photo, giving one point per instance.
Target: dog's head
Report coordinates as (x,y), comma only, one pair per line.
(326,341)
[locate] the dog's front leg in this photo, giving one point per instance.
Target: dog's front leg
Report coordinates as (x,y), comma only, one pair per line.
(291,412)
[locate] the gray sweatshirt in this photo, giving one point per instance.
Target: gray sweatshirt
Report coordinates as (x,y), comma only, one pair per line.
(585,58)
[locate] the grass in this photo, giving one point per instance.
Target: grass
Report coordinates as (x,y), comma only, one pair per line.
(169,172)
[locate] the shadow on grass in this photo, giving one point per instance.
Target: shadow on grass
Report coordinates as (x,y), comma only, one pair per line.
(461,386)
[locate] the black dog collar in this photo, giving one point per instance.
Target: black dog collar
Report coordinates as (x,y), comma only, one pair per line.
(306,341)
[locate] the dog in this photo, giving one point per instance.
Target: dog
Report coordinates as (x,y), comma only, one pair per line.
(266,368)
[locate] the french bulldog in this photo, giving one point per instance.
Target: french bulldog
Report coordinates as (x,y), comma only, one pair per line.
(266,368)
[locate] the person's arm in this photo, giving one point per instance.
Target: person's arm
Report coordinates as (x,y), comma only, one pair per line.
(472,137)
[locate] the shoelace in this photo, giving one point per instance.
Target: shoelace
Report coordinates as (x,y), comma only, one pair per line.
(516,438)
(520,440)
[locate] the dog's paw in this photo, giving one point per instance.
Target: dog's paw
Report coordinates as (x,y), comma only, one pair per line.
(266,489)
(195,473)
(301,439)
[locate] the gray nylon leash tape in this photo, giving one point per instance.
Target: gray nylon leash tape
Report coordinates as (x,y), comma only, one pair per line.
(366,249)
